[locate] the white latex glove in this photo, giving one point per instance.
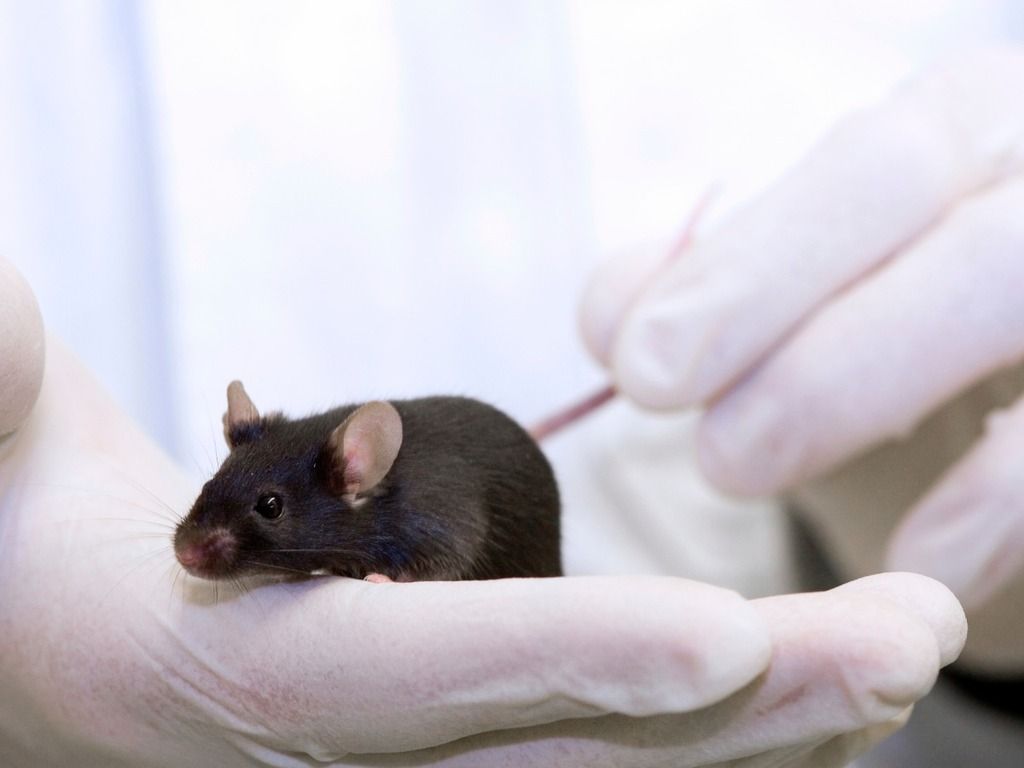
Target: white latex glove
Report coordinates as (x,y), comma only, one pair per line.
(108,658)
(874,283)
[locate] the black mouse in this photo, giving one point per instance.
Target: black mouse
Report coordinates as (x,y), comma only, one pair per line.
(437,488)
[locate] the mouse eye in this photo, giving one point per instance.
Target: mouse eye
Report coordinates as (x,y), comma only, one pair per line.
(269,506)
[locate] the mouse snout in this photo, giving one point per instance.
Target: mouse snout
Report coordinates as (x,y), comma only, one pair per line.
(208,555)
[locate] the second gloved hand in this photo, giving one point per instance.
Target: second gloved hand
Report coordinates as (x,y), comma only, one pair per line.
(868,288)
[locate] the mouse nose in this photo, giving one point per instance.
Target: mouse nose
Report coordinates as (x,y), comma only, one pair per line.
(209,555)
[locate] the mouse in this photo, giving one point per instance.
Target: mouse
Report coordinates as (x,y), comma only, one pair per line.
(430,489)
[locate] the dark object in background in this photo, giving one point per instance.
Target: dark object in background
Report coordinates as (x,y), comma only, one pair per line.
(439,488)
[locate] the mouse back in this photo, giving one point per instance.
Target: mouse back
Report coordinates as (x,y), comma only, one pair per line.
(482,478)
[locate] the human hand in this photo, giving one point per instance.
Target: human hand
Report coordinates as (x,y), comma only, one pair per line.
(874,283)
(108,658)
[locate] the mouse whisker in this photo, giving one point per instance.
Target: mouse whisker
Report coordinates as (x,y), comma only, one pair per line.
(183,575)
(163,518)
(129,530)
(144,560)
(199,467)
(175,569)
(163,528)
(140,487)
(246,590)
(168,537)
(169,513)
(216,461)
(275,567)
(318,551)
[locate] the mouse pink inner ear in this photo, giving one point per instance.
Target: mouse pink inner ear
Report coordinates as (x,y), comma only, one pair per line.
(365,446)
(240,412)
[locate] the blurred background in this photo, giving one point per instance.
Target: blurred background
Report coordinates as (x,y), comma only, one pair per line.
(338,201)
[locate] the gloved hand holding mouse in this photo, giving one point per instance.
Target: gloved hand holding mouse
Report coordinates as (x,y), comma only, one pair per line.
(108,657)
(870,299)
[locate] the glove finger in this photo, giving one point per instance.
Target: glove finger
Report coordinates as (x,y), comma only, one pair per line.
(968,531)
(835,752)
(612,289)
(928,599)
(875,183)
(841,750)
(844,661)
(877,360)
(21,349)
(372,667)
(619,281)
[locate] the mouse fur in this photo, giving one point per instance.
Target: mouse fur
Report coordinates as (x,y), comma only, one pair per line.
(469,495)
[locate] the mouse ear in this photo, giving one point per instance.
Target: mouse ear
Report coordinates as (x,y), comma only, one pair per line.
(364,447)
(241,415)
